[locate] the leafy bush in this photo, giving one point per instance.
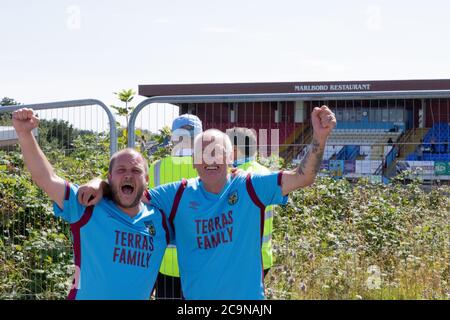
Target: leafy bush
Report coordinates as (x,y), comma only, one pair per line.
(341,241)
(35,248)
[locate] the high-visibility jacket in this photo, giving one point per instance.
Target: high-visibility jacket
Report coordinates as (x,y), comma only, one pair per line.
(166,170)
(266,250)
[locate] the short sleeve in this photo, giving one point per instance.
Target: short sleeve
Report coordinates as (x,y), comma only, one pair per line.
(164,223)
(163,196)
(72,210)
(267,187)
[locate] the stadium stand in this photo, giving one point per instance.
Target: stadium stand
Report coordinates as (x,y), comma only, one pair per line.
(435,146)
(371,142)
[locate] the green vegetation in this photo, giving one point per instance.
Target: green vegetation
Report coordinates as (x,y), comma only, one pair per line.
(364,241)
(4,117)
(35,248)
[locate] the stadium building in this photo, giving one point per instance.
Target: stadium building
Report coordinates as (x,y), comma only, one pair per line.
(384,127)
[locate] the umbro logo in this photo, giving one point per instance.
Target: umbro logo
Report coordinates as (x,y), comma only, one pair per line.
(194,205)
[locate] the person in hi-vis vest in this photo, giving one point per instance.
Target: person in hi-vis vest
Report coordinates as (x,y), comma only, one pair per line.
(171,169)
(245,150)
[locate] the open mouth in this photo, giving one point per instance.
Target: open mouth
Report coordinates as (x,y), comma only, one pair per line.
(211,168)
(127,188)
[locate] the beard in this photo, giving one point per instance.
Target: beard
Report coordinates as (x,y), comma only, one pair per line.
(115,196)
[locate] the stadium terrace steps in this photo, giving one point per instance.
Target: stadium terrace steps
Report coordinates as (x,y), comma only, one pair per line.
(296,137)
(409,142)
(373,142)
(296,150)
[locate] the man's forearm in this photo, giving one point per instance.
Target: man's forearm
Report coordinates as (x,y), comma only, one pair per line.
(34,159)
(305,174)
(104,185)
(310,164)
(40,169)
(323,122)
(100,184)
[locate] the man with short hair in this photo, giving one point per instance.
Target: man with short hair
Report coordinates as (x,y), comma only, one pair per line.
(119,242)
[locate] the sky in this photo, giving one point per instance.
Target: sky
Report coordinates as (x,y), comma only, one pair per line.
(54,50)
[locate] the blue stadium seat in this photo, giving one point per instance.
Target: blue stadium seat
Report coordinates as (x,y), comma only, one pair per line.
(440,133)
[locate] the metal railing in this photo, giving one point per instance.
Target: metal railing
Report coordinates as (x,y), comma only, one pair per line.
(73,104)
(425,94)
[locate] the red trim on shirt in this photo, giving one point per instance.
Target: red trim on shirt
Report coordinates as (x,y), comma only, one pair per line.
(75,228)
(251,191)
(147,195)
(176,202)
(67,191)
(164,224)
(279,177)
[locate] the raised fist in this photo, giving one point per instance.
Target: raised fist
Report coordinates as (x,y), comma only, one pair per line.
(323,122)
(24,120)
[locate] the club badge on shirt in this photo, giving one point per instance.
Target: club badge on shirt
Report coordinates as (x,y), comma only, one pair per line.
(150,227)
(233,198)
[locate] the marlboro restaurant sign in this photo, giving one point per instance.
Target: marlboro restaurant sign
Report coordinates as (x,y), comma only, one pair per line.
(333,87)
(294,87)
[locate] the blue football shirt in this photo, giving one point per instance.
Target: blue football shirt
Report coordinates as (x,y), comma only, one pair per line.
(116,256)
(219,236)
